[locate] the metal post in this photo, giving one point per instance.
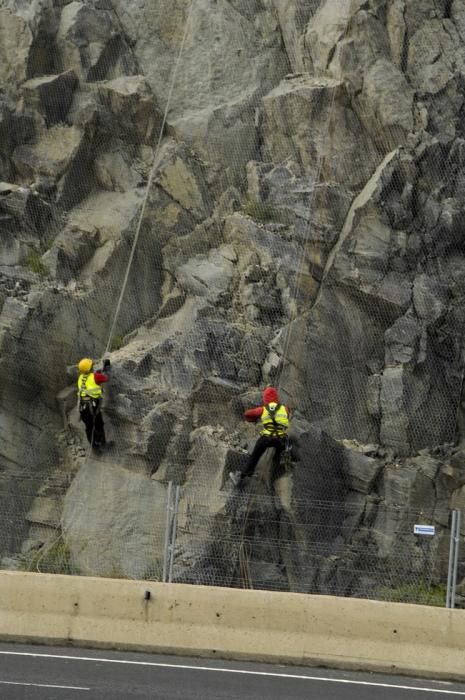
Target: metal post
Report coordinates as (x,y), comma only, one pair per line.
(456,559)
(453,558)
(167,531)
(173,532)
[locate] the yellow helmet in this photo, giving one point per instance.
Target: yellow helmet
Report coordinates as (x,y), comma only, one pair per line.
(85,365)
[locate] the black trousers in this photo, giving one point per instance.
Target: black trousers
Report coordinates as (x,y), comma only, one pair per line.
(91,416)
(262,444)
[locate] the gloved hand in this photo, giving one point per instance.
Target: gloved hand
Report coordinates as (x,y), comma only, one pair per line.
(106,364)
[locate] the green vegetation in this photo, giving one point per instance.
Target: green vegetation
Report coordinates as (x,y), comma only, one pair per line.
(53,558)
(34,263)
(260,211)
(117,342)
(421,594)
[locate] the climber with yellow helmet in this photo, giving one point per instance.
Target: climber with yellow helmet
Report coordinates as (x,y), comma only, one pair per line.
(90,399)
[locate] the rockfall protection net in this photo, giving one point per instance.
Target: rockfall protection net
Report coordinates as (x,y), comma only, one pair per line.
(344,550)
(222,196)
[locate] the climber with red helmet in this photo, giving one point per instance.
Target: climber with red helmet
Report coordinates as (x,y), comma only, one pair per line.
(274,419)
(90,398)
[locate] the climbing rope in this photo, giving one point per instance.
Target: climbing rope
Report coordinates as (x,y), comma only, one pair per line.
(147,191)
(244,560)
(88,452)
(150,182)
(317,183)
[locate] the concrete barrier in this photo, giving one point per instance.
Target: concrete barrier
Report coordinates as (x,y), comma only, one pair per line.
(234,624)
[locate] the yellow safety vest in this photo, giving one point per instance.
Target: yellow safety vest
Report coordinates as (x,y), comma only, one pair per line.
(88,387)
(275,422)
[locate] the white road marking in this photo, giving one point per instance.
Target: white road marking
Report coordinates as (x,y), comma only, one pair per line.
(44,685)
(269,674)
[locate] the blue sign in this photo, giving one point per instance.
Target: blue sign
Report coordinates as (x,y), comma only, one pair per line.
(424,530)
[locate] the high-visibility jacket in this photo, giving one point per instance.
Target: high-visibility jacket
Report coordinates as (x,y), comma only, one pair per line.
(88,387)
(275,420)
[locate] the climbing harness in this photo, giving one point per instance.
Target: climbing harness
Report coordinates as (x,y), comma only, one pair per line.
(286,456)
(275,420)
(88,387)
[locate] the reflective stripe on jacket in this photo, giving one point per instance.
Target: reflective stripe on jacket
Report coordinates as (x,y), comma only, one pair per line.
(88,387)
(275,420)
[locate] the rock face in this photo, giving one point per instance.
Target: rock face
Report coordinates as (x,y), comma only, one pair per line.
(222,196)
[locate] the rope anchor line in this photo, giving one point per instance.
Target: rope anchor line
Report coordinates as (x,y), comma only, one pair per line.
(149,183)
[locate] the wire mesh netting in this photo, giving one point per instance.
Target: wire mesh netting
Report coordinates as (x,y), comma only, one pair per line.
(109,542)
(255,540)
(343,551)
(222,196)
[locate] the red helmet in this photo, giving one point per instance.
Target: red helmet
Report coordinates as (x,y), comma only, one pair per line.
(270,395)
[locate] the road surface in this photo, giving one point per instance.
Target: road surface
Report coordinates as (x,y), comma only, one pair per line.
(57,673)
